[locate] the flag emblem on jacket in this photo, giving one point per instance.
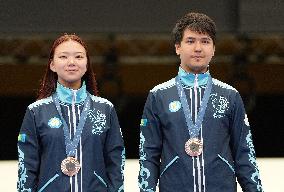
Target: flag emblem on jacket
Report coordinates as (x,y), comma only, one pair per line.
(143,122)
(22,137)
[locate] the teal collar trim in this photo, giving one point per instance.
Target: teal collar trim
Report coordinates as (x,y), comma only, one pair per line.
(66,94)
(188,78)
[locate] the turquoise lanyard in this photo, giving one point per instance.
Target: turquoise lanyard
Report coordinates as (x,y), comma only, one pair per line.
(193,129)
(72,145)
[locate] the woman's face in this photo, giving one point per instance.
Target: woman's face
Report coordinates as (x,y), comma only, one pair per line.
(70,63)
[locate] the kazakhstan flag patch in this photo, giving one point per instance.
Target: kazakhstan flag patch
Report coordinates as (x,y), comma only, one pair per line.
(22,137)
(143,122)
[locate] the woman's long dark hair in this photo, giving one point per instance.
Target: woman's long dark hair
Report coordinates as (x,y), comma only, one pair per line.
(49,81)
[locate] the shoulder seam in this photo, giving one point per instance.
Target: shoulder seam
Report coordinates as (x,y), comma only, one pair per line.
(223,85)
(166,85)
(101,100)
(40,102)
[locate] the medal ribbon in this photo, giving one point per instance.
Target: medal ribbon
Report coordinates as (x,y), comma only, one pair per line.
(72,145)
(194,129)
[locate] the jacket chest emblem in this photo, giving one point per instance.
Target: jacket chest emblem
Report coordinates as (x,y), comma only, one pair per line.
(174,106)
(54,122)
(220,105)
(98,120)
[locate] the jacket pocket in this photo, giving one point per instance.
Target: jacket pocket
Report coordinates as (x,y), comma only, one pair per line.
(48,182)
(169,164)
(100,178)
(227,162)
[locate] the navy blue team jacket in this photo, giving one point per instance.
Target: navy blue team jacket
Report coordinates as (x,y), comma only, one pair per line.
(41,145)
(228,151)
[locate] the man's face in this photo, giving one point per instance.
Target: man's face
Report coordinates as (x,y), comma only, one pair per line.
(196,51)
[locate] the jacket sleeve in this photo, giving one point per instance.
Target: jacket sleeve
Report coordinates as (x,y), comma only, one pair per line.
(150,146)
(114,155)
(28,155)
(243,150)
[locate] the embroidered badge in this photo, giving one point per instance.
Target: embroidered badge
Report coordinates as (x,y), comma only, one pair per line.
(22,137)
(143,122)
(54,122)
(174,106)
(246,120)
(98,120)
(220,104)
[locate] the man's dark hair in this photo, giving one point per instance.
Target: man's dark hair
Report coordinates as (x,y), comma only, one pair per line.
(197,22)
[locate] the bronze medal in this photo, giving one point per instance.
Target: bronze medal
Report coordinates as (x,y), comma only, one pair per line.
(70,166)
(194,147)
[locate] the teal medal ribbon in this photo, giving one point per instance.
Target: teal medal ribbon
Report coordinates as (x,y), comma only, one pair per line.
(70,166)
(194,146)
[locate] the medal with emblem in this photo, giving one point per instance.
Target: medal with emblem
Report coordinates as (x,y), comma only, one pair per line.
(194,147)
(70,166)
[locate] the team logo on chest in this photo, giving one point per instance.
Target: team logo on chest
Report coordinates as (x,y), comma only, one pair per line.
(220,105)
(54,122)
(98,120)
(174,106)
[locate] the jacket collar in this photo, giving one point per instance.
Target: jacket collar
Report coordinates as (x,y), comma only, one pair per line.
(189,78)
(66,94)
